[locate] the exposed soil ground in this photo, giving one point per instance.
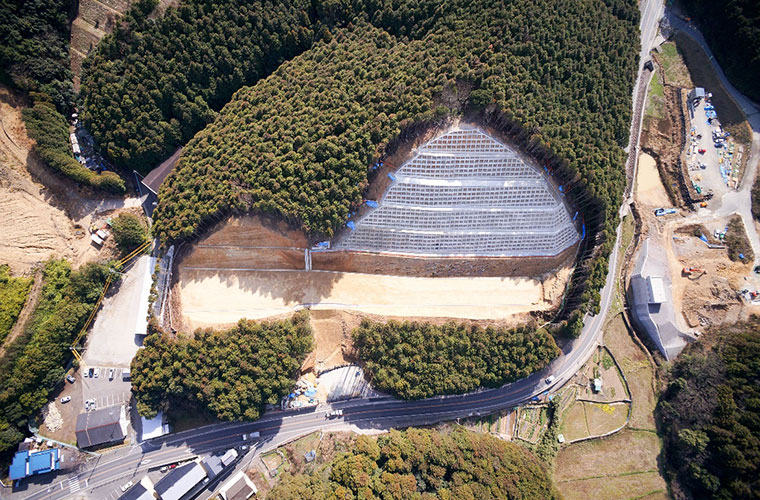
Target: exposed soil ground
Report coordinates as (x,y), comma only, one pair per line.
(649,188)
(253,267)
(332,339)
(41,213)
(710,297)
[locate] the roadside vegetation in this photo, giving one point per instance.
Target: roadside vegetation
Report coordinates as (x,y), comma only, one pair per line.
(129,232)
(737,242)
(418,360)
(710,415)
(13,293)
(732,29)
(422,463)
(35,361)
(229,375)
(298,144)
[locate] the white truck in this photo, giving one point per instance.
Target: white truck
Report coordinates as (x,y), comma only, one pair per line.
(252,435)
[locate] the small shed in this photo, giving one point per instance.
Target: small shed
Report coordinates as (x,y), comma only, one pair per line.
(597,385)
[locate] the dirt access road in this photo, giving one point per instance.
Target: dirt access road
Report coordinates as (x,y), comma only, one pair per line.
(41,214)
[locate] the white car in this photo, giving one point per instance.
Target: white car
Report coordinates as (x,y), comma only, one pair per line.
(65,399)
(549,379)
(125,487)
(334,413)
(110,374)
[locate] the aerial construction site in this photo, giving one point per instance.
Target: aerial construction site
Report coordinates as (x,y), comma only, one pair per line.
(465,227)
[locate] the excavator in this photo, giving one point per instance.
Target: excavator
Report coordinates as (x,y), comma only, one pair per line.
(693,271)
(118,266)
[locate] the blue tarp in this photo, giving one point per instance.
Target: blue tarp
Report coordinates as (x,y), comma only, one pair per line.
(391,177)
(351,225)
(704,238)
(371,203)
(323,244)
(310,392)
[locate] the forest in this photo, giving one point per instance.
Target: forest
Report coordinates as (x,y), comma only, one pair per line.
(732,29)
(418,360)
(424,464)
(34,362)
(34,54)
(228,375)
(13,293)
(710,415)
(556,76)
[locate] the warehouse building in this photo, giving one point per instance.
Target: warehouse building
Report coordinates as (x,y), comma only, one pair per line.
(651,308)
(99,427)
(466,194)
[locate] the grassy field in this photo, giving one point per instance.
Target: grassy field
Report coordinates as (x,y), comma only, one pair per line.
(13,293)
(674,69)
(655,101)
(624,465)
(637,369)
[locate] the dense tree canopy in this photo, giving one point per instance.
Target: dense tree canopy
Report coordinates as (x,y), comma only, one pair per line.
(34,362)
(732,28)
(418,360)
(34,47)
(422,464)
(556,77)
(229,374)
(710,415)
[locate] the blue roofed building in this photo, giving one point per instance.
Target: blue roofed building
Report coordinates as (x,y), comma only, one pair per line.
(27,463)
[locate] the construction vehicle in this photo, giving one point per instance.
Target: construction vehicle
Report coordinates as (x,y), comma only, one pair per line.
(116,268)
(691,271)
(664,211)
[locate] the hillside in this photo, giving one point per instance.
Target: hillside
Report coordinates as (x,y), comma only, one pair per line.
(298,144)
(424,464)
(710,415)
(732,29)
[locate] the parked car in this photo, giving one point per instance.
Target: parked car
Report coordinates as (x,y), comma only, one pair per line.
(125,487)
(97,372)
(110,374)
(71,378)
(164,468)
(549,379)
(65,399)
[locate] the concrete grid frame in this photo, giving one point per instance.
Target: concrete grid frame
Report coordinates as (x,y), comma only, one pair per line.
(466,194)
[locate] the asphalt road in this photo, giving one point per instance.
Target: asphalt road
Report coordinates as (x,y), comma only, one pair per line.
(101,477)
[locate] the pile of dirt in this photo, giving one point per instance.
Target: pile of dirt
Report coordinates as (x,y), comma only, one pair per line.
(332,339)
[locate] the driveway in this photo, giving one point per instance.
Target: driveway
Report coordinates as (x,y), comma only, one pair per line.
(112,341)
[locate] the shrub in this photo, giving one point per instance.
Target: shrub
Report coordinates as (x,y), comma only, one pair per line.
(129,232)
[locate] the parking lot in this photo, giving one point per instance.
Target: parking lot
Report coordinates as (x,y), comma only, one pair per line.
(103,390)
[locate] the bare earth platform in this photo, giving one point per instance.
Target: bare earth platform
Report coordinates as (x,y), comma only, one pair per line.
(253,268)
(218,297)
